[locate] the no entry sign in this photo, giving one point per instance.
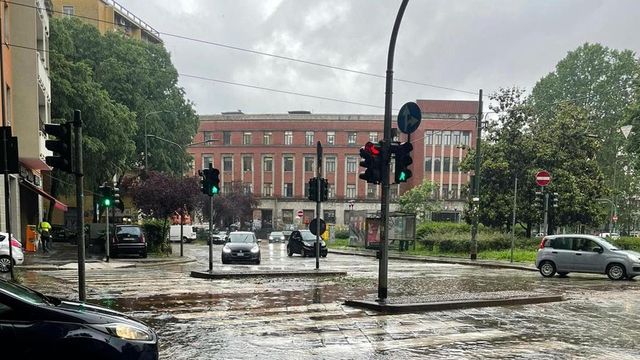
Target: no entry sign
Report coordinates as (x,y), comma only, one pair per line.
(300,213)
(543,178)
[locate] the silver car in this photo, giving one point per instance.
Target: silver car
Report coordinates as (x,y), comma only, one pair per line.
(585,253)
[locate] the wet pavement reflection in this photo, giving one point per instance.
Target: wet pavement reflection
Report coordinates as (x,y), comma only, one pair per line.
(300,318)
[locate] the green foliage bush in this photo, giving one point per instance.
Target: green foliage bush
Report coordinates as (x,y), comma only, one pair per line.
(627,243)
(342,234)
(155,232)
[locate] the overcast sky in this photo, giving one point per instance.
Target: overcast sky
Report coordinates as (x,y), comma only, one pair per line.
(460,44)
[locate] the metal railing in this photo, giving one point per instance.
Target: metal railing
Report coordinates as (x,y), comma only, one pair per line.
(130,16)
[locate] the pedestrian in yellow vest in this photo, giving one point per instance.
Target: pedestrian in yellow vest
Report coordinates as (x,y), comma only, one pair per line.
(44,228)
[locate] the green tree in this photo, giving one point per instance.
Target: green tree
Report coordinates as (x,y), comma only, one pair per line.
(419,200)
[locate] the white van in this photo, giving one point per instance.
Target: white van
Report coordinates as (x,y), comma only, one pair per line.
(188,233)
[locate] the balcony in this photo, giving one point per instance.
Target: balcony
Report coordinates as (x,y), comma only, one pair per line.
(43,81)
(44,17)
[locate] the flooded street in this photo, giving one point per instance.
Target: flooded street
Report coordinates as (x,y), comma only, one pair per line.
(302,318)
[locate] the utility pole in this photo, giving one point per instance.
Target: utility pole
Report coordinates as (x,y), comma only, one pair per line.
(386,154)
(475,200)
(318,201)
(77,124)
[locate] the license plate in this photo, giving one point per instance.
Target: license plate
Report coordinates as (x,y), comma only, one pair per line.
(128,239)
(240,253)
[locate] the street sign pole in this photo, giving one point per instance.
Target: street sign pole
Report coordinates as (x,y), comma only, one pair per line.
(77,125)
(318,209)
(546,213)
(210,233)
(106,240)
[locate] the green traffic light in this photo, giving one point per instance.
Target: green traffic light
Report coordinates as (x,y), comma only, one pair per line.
(403,176)
(214,190)
(107,202)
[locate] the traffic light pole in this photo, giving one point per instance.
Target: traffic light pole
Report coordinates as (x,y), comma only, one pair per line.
(318,197)
(106,240)
(77,123)
(546,213)
(386,147)
(475,201)
(210,233)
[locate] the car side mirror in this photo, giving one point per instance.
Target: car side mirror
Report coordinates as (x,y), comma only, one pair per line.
(599,250)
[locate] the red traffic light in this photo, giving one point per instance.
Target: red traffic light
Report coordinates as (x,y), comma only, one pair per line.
(372,148)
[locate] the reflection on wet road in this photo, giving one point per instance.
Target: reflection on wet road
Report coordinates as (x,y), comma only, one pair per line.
(300,318)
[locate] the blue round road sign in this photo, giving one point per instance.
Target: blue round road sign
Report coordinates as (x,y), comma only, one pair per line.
(409,117)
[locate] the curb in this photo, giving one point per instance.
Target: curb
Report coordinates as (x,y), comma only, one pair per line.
(441,260)
(449,305)
(274,273)
(104,265)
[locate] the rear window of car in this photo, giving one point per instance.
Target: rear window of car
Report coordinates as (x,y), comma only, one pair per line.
(560,243)
(128,231)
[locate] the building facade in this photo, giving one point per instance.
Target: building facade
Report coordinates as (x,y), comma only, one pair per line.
(107,15)
(274,155)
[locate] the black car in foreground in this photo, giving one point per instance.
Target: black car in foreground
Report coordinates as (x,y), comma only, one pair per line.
(241,246)
(36,326)
(303,242)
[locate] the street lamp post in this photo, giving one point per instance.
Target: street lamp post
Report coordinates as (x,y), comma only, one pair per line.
(146,143)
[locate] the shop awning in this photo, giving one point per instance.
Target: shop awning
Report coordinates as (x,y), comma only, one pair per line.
(58,204)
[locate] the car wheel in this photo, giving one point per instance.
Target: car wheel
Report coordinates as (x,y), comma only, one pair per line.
(5,263)
(303,253)
(324,255)
(616,271)
(547,269)
(143,255)
(289,251)
(224,261)
(258,262)
(562,274)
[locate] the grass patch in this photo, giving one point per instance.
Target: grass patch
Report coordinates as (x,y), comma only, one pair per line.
(338,244)
(519,255)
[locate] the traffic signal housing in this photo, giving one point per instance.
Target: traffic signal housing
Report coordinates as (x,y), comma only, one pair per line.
(313,189)
(372,161)
(324,189)
(62,147)
(554,199)
(214,182)
(539,200)
(403,160)
(106,196)
(204,181)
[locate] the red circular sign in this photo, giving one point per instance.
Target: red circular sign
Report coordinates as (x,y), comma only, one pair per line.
(543,178)
(300,213)
(614,218)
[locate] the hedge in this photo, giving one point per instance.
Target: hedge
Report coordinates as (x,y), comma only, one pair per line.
(627,243)
(156,242)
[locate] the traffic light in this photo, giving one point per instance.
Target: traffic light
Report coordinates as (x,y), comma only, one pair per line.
(554,199)
(204,181)
(313,189)
(106,196)
(214,182)
(539,200)
(372,161)
(403,160)
(117,202)
(324,189)
(62,147)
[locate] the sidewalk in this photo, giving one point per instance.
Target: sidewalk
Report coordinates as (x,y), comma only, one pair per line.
(64,256)
(393,254)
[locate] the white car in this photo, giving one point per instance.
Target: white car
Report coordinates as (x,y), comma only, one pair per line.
(16,251)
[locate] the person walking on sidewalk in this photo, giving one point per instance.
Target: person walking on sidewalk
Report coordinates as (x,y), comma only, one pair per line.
(44,228)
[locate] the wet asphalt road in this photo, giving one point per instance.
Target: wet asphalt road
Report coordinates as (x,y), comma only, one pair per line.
(303,318)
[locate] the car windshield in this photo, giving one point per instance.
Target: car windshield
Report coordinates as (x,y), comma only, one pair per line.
(23,293)
(308,236)
(277,234)
(128,231)
(241,238)
(607,244)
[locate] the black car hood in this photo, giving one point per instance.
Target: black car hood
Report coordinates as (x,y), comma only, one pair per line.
(240,246)
(91,314)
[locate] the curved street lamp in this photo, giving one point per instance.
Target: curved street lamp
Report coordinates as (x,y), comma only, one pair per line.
(146,145)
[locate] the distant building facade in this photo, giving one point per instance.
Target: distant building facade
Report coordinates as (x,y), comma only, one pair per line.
(107,15)
(274,155)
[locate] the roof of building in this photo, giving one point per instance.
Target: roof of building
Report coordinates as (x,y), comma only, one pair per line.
(448,106)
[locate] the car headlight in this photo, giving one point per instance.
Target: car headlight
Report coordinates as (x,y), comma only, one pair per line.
(281,237)
(308,244)
(255,249)
(226,250)
(270,237)
(127,332)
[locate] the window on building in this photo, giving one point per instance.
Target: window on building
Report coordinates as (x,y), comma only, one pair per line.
(288,137)
(455,165)
(247,163)
(208,138)
(308,137)
(332,191)
(465,137)
(351,138)
(330,164)
(436,165)
(445,191)
(308,163)
(351,191)
(288,163)
(226,187)
(330,216)
(331,137)
(371,191)
(287,216)
(446,162)
(267,163)
(427,163)
(394,191)
(267,189)
(456,138)
(351,164)
(287,191)
(246,138)
(207,161)
(247,188)
(68,10)
(347,217)
(437,137)
(227,163)
(454,191)
(373,137)
(446,138)
(428,137)
(226,137)
(266,138)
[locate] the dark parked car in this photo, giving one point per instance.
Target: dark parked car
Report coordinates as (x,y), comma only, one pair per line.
(35,326)
(303,242)
(241,246)
(128,239)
